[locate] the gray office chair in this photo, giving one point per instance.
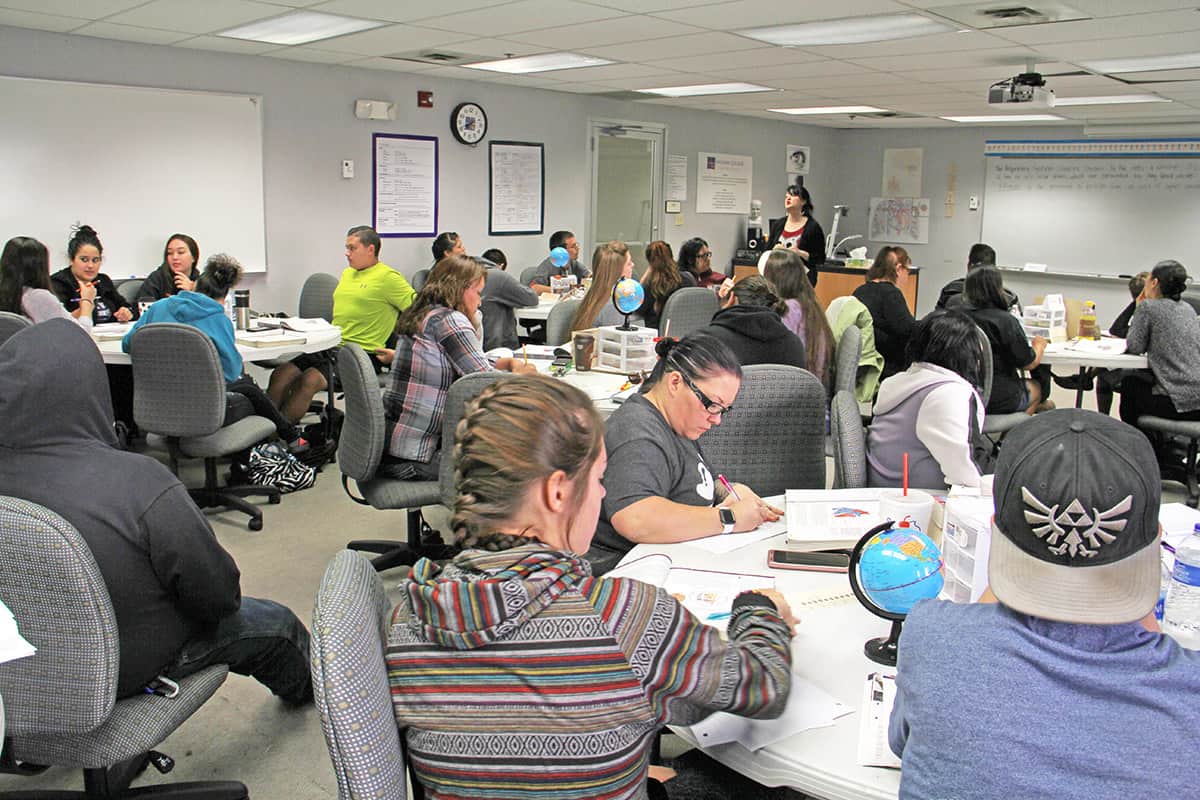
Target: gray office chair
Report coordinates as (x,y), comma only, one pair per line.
(60,704)
(179,393)
(558,324)
(995,426)
(419,278)
(10,323)
(688,309)
(316,296)
(845,360)
(129,288)
(774,438)
(360,449)
(350,684)
(527,275)
(1169,429)
(849,442)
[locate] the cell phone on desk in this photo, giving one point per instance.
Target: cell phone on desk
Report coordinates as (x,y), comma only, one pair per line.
(816,561)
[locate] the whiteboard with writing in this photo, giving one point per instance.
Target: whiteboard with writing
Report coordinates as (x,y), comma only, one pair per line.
(1093,215)
(137,164)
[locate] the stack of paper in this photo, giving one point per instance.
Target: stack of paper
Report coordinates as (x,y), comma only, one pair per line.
(274,338)
(110,331)
(808,706)
(879,695)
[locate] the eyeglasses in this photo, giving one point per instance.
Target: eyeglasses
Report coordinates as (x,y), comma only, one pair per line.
(707,254)
(710,405)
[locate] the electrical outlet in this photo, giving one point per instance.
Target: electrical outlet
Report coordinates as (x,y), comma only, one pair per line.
(347,168)
(678,220)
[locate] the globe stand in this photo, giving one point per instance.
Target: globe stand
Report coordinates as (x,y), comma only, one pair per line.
(882,650)
(626,326)
(624,289)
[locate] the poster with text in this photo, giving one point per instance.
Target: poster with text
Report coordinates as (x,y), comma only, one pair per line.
(723,183)
(405,189)
(677,178)
(516,188)
(899,220)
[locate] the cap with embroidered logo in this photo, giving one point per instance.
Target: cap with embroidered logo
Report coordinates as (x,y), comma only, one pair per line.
(1075,534)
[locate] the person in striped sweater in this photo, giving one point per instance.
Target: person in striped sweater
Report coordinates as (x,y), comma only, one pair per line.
(514,672)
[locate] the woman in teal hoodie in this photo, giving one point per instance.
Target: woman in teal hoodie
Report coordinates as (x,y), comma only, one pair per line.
(205,309)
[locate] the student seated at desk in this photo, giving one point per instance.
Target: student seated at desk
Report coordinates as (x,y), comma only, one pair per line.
(661,279)
(436,345)
(610,263)
(1064,688)
(750,323)
(987,306)
(786,272)
(980,255)
(502,293)
(513,671)
(71,282)
(177,273)
(932,410)
(25,284)
(1110,381)
(893,322)
(547,270)
(204,309)
(659,487)
(695,264)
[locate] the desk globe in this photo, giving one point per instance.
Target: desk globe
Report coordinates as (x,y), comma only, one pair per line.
(559,257)
(628,296)
(891,568)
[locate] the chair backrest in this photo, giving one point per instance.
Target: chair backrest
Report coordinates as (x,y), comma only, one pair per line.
(316,296)
(985,365)
(688,309)
(363,428)
(178,385)
(849,442)
(527,275)
(774,438)
(350,685)
(10,323)
(50,582)
(461,392)
(419,278)
(129,288)
(849,351)
(558,324)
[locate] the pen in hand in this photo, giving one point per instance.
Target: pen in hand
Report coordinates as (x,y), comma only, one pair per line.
(729,488)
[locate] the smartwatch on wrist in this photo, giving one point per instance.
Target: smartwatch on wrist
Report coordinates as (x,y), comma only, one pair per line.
(727,519)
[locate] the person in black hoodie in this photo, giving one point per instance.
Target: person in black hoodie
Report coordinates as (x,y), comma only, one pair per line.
(177,273)
(175,591)
(71,283)
(750,323)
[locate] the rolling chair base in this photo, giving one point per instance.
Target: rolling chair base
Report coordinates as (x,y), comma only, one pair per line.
(423,542)
(112,783)
(214,496)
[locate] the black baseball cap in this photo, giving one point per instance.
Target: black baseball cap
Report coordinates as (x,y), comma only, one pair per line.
(1075,536)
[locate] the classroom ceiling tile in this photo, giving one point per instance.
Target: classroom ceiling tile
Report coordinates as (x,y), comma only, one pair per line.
(760,58)
(582,88)
(1127,47)
(1118,8)
(393,11)
(81,9)
(900,62)
(760,13)
(525,15)
(491,48)
(193,17)
(619,30)
(651,6)
(41,22)
(668,47)
(391,64)
(952,42)
(389,40)
(1135,24)
(806,72)
(621,73)
(223,44)
(129,33)
(312,55)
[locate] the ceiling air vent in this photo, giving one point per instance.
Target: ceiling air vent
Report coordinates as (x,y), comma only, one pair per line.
(998,14)
(439,57)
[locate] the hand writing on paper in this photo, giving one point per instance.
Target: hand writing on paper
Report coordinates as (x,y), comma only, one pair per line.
(781,605)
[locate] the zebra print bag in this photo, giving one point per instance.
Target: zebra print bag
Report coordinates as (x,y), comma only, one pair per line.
(272,465)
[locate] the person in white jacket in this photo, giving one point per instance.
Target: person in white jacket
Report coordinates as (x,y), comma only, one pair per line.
(931,410)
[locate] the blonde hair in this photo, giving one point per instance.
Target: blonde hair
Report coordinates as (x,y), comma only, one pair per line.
(607,262)
(517,432)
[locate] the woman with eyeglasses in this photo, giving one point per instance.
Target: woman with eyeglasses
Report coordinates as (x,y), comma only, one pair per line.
(659,487)
(798,231)
(82,288)
(695,262)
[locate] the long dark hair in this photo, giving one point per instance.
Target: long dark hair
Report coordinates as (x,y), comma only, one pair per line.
(785,269)
(697,355)
(1172,278)
(25,264)
(662,274)
(886,266)
(984,288)
(447,282)
(951,340)
(165,268)
(687,254)
(83,235)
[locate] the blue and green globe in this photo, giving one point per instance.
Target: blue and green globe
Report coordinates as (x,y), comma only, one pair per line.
(898,567)
(628,295)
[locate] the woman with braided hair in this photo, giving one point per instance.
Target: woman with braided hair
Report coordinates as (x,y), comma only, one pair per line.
(513,671)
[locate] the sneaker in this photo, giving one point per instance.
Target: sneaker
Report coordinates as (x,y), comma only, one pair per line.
(298,446)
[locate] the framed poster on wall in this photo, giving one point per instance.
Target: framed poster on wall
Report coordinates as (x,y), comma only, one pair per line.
(516,188)
(404,199)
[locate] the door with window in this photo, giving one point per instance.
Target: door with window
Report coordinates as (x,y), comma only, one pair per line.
(626,199)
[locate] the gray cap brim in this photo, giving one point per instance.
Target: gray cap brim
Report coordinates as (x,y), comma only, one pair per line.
(1108,594)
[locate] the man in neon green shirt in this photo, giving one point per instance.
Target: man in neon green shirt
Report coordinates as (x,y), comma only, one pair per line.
(368,299)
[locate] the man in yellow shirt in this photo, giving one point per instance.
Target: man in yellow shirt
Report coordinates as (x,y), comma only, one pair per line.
(368,299)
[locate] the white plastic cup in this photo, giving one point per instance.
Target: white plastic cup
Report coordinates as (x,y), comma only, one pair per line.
(913,511)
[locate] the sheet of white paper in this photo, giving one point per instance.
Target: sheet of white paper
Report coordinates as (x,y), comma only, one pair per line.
(879,695)
(709,594)
(652,569)
(808,706)
(728,542)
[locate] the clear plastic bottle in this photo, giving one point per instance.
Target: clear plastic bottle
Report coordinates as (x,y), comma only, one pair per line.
(229,309)
(1088,329)
(1181,617)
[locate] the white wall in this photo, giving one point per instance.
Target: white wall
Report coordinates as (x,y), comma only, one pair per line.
(309,127)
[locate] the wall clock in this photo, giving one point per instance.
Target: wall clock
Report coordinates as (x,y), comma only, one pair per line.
(468,123)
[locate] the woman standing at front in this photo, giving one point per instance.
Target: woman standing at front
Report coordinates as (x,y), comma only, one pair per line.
(660,488)
(798,231)
(73,282)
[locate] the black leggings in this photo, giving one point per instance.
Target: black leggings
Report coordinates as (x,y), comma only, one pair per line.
(244,398)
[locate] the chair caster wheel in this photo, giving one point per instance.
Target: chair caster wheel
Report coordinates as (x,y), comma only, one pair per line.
(255,524)
(274,499)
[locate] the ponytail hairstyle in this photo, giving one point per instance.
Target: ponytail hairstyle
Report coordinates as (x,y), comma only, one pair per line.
(517,432)
(448,281)
(221,273)
(696,356)
(607,262)
(1172,278)
(24,264)
(755,290)
(797,190)
(80,236)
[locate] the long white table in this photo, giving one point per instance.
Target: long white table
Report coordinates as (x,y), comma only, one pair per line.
(538,313)
(1078,356)
(828,651)
(314,342)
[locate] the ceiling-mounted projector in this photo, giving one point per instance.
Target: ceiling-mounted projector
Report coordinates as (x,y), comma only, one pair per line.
(1028,88)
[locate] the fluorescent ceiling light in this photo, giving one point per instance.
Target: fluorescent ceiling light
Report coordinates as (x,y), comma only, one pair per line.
(855,30)
(1146,64)
(830,110)
(543,63)
(300,27)
(707,88)
(1109,100)
(1007,118)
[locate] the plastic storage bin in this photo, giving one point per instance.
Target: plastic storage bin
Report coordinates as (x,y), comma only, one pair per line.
(625,351)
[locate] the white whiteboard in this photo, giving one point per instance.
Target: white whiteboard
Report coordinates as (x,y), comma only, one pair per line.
(137,165)
(1093,215)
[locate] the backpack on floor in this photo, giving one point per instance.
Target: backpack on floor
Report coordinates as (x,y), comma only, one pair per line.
(272,465)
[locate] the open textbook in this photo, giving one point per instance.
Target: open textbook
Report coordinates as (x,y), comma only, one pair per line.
(820,519)
(706,593)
